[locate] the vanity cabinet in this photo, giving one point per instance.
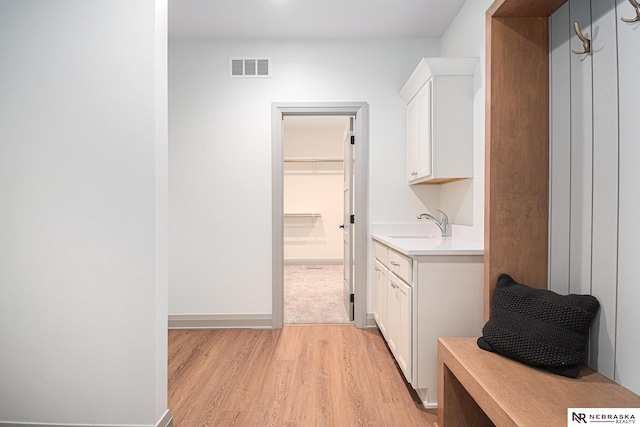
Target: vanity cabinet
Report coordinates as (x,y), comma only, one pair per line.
(421,299)
(393,303)
(439,96)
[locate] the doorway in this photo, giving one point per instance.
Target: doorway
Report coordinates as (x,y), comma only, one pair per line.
(314,152)
(358,226)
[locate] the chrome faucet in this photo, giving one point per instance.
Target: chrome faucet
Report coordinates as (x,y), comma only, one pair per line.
(443,225)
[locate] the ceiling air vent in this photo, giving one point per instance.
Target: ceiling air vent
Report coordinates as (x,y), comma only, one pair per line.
(249,68)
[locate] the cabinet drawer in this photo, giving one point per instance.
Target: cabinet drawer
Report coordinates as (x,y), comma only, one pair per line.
(401,265)
(380,251)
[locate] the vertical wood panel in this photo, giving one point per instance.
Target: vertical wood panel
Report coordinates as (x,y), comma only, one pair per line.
(604,251)
(560,147)
(581,154)
(517,151)
(628,344)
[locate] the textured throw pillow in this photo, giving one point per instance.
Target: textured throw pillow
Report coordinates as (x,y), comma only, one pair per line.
(539,327)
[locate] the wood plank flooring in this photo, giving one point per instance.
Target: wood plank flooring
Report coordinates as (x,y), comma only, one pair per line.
(320,375)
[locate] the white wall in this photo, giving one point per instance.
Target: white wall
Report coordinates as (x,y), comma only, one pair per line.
(466,36)
(82,265)
(220,148)
(316,188)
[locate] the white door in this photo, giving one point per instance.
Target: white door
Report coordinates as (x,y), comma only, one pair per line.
(349,170)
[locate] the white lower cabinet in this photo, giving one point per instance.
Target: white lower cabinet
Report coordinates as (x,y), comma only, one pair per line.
(444,298)
(399,322)
(381,278)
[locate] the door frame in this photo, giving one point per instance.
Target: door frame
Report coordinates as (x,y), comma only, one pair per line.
(361,227)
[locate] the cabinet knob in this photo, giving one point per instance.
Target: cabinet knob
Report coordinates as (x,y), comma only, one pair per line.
(395,264)
(414,173)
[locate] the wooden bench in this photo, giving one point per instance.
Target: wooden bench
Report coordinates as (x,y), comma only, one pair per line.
(479,388)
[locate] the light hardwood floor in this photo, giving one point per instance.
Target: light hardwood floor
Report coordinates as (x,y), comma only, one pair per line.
(320,375)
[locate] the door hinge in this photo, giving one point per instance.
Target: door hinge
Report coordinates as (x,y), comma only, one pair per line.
(352,220)
(352,298)
(353,140)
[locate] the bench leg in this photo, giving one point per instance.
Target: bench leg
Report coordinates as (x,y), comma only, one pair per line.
(456,407)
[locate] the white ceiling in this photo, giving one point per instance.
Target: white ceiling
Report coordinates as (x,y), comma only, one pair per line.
(310,19)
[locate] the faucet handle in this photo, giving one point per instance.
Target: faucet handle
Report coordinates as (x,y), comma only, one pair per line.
(446,225)
(445,218)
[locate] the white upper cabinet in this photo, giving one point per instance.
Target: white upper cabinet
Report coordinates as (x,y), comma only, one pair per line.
(439,96)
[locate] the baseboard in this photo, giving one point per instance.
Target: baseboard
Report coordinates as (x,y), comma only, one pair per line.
(423,394)
(313,261)
(165,421)
(220,321)
(371,321)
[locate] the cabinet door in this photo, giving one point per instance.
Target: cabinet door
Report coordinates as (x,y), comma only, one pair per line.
(419,135)
(413,122)
(381,297)
(403,340)
(392,312)
(399,323)
(376,292)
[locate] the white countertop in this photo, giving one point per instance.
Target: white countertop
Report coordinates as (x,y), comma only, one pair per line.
(416,242)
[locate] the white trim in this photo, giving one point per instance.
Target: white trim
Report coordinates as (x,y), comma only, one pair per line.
(314,261)
(371,321)
(423,395)
(20,424)
(165,421)
(361,229)
(219,321)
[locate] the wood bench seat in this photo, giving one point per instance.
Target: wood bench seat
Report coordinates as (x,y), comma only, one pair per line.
(479,388)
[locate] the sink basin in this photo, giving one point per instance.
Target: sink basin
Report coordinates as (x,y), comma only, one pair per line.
(416,236)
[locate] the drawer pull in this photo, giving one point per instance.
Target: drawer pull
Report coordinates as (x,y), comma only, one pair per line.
(395,264)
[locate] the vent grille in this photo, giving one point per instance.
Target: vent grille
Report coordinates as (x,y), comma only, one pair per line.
(249,68)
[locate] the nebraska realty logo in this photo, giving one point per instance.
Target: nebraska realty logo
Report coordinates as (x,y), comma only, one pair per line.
(581,416)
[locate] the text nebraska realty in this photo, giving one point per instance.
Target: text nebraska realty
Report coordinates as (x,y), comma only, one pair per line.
(605,418)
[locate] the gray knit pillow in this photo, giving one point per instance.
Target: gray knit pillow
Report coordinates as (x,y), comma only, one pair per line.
(539,327)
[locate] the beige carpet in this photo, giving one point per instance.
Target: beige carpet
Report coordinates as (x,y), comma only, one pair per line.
(313,294)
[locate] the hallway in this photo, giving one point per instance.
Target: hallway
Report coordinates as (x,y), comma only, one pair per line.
(332,375)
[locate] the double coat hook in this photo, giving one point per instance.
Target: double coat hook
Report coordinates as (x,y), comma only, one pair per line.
(586,43)
(635,4)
